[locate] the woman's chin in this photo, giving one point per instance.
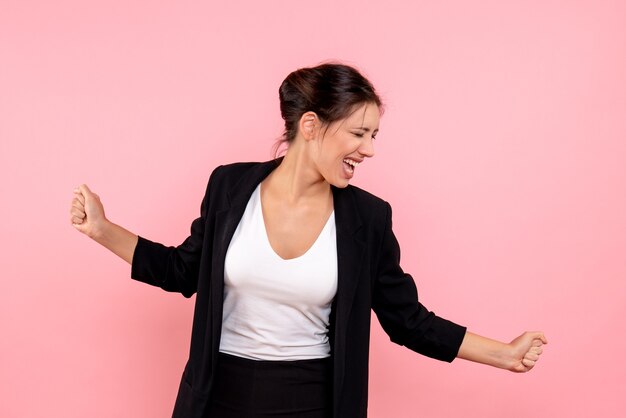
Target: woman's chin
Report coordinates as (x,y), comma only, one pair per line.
(340,183)
(340,180)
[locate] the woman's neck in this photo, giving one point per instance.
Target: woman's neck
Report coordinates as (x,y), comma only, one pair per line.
(297,178)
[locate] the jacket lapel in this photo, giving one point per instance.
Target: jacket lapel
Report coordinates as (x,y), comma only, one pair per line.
(350,253)
(226,221)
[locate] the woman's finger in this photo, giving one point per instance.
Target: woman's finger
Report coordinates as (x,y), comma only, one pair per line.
(528,363)
(540,336)
(531,356)
(77,213)
(78,195)
(537,343)
(77,204)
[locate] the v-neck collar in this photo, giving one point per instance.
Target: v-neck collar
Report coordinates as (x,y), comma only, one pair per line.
(260,217)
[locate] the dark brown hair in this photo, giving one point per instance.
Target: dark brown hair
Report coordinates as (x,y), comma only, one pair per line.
(331,90)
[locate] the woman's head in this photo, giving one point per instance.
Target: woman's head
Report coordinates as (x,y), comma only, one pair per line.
(331,91)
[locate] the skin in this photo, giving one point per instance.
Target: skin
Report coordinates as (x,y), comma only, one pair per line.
(296,197)
(297,200)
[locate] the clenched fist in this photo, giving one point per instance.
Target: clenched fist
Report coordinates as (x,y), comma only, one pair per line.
(87,212)
(526,351)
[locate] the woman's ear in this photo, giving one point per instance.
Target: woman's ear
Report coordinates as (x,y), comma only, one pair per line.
(309,124)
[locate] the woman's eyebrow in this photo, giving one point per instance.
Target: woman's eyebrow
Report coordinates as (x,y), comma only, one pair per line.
(365,128)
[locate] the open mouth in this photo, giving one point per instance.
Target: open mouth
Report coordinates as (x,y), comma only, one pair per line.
(350,165)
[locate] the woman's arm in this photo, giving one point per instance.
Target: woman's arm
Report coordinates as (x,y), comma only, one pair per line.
(520,355)
(119,240)
(409,323)
(172,268)
(399,311)
(88,217)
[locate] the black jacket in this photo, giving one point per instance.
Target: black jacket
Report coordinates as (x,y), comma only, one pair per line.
(369,277)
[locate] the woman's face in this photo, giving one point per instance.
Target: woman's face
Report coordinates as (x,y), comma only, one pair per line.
(346,143)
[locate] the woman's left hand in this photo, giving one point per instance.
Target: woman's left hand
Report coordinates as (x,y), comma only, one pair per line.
(525,351)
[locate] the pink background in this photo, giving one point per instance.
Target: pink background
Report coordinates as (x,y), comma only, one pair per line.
(502,151)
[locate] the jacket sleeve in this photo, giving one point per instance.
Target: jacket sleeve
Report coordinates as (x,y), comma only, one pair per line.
(174,269)
(402,316)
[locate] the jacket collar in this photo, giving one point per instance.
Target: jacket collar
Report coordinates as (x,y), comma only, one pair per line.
(347,216)
(240,193)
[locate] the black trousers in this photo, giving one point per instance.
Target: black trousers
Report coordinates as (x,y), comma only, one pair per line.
(286,389)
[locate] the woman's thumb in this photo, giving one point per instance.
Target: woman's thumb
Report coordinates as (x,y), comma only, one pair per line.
(85,190)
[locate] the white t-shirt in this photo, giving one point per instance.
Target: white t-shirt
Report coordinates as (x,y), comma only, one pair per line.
(276,309)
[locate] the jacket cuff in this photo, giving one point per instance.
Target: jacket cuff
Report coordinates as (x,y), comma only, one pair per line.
(442,341)
(147,257)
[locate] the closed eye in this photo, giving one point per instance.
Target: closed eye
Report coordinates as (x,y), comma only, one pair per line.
(361,133)
(358,135)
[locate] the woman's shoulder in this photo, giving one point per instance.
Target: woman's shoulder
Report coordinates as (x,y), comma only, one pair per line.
(234,167)
(235,170)
(369,199)
(372,209)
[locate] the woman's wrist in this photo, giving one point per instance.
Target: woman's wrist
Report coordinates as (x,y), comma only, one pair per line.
(506,357)
(119,240)
(101,231)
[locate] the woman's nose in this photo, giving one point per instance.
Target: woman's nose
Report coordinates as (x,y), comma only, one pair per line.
(367,148)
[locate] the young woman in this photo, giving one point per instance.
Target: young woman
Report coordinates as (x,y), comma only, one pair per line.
(287,261)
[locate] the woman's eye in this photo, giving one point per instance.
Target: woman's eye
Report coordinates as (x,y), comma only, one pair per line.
(358,134)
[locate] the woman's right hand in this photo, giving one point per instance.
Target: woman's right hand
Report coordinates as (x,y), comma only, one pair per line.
(87,212)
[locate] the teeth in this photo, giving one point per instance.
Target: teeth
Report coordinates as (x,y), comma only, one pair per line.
(352,163)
